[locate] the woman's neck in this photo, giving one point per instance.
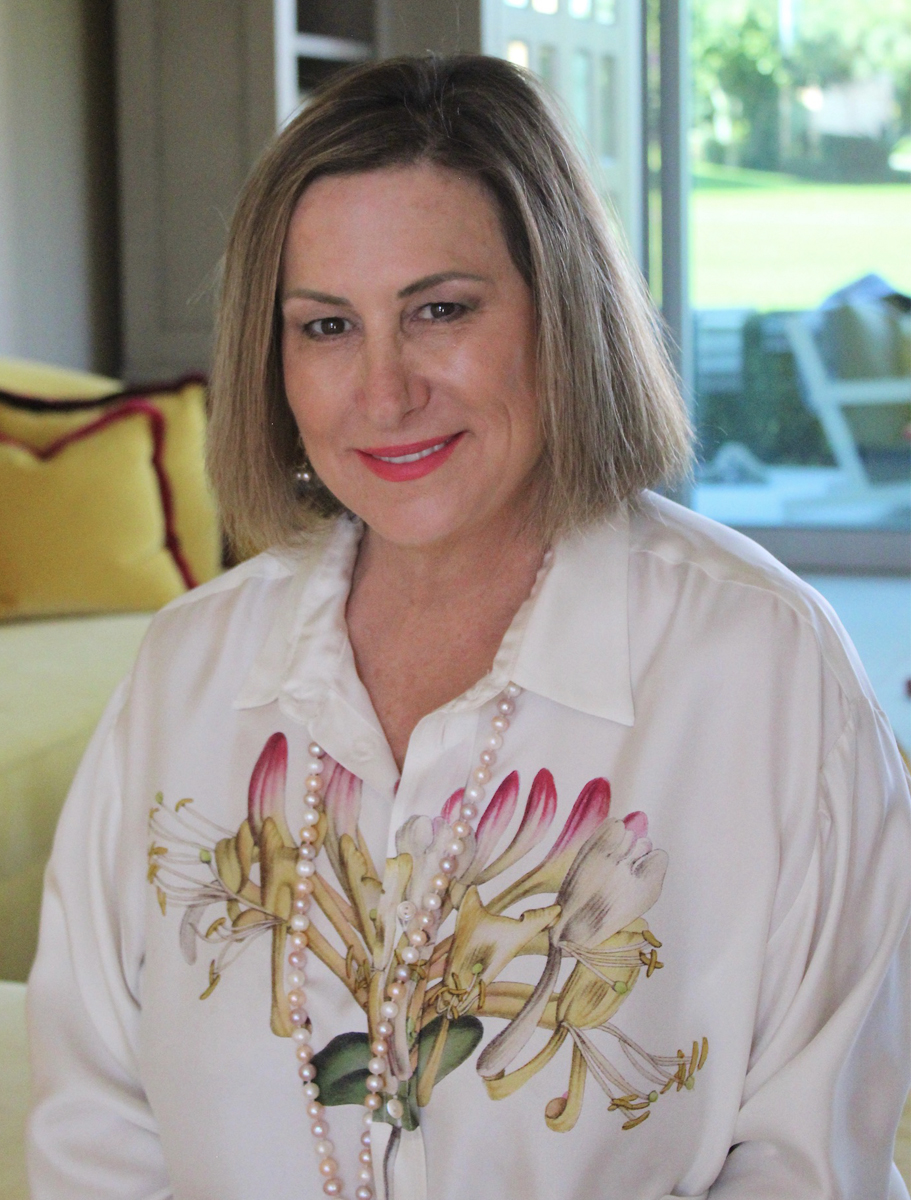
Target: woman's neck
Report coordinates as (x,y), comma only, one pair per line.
(426,623)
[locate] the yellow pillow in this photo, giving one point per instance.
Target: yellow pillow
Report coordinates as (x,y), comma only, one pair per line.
(39,405)
(84,526)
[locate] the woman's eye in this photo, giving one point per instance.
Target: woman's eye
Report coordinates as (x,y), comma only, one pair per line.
(326,327)
(440,310)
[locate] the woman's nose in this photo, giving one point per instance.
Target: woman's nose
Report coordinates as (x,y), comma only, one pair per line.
(391,387)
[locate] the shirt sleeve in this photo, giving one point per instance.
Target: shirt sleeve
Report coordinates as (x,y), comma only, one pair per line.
(831,1060)
(92,1135)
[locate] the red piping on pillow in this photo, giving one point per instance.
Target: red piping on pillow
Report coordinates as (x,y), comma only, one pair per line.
(36,404)
(157,425)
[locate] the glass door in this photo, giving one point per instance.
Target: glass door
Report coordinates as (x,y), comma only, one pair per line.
(800,262)
(589,52)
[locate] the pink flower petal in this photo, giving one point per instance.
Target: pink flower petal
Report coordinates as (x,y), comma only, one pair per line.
(452,806)
(266,795)
(637,823)
(589,813)
(496,818)
(536,820)
(342,799)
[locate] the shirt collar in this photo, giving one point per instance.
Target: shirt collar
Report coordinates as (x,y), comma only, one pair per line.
(569,642)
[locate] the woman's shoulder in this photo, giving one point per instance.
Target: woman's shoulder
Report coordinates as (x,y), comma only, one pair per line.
(715,577)
(222,626)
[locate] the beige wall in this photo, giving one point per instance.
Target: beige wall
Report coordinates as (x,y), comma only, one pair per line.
(57,218)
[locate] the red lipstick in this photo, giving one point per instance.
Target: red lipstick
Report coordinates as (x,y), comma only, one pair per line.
(399,464)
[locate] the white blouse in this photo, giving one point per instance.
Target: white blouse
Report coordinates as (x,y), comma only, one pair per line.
(676,957)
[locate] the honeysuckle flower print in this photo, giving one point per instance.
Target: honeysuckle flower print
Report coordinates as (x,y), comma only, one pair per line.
(599,877)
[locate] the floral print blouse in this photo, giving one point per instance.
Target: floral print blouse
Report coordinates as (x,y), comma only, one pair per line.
(672,961)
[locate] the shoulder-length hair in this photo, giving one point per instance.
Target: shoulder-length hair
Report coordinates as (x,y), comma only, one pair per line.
(612,419)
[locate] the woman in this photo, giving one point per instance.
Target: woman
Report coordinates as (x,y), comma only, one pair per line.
(505,830)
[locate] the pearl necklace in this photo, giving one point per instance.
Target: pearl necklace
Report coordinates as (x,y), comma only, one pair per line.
(420,923)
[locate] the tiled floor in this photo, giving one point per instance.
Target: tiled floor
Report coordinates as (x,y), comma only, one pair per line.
(876,611)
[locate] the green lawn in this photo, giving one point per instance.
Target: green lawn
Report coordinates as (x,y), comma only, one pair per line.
(773,242)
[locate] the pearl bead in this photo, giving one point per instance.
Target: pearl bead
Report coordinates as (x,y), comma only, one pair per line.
(417,938)
(432,903)
(311,1090)
(365,1174)
(307,1071)
(385,1029)
(512,690)
(298,1016)
(506,706)
(488,757)
(304,1053)
(377,1066)
(439,883)
(315,750)
(426,920)
(372,1102)
(367,1118)
(411,955)
(314,799)
(493,741)
(309,836)
(469,812)
(313,783)
(328,1167)
(500,723)
(395,1108)
(315,767)
(389,1009)
(365,1156)
(397,991)
(456,846)
(374,1083)
(315,1111)
(305,852)
(300,922)
(319,1129)
(481,775)
(298,941)
(304,869)
(364,1193)
(300,1035)
(474,794)
(403,974)
(296,959)
(406,911)
(323,1147)
(304,887)
(379,1048)
(461,829)
(310,818)
(333,1187)
(300,903)
(448,866)
(297,999)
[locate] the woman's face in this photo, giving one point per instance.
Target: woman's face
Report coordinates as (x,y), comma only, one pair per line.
(408,350)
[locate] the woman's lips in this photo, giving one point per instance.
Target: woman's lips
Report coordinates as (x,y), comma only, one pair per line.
(398,464)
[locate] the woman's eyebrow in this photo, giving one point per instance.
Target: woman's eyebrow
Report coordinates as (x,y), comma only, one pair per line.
(430,281)
(419,285)
(319,297)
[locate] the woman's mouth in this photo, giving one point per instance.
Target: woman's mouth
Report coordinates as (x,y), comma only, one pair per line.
(399,464)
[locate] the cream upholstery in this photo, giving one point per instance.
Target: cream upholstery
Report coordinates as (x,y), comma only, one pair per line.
(55,679)
(14,1087)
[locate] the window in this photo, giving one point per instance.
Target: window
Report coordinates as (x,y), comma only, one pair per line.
(801,263)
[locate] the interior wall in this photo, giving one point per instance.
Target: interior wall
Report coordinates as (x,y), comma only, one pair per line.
(58,299)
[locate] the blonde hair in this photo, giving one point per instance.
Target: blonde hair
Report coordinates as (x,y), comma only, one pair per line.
(611,415)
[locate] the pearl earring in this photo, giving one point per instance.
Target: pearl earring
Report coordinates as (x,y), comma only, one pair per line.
(303,475)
